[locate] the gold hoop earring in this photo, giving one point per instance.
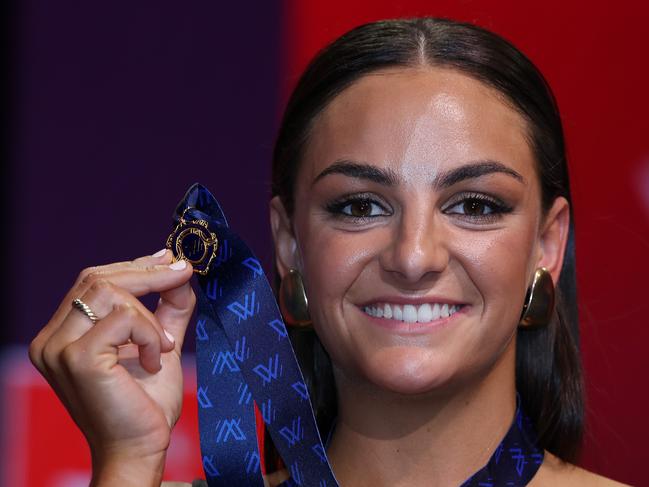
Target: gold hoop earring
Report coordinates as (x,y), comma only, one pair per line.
(292,300)
(539,302)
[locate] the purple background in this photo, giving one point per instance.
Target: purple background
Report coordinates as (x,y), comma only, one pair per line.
(116,109)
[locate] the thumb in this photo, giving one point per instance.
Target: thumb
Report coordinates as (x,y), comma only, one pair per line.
(175,310)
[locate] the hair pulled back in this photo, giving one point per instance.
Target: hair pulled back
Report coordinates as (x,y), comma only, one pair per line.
(548,369)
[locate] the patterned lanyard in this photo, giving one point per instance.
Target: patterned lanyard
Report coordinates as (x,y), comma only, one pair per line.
(244,356)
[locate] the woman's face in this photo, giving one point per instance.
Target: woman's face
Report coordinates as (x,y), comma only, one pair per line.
(417,228)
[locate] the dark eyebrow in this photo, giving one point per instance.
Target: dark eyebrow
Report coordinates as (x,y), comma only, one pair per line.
(474,170)
(387,177)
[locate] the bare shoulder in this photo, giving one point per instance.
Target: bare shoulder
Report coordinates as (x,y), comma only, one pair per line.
(556,472)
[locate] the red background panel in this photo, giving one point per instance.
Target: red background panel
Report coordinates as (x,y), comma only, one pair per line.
(594,56)
(42,446)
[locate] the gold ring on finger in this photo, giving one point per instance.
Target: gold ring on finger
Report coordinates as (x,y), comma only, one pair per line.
(85,309)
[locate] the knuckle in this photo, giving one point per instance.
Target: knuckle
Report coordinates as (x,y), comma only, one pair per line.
(101,285)
(35,352)
(86,272)
(128,311)
(88,276)
(50,356)
(71,359)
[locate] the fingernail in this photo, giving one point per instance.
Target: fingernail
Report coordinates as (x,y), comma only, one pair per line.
(178,265)
(169,336)
(160,253)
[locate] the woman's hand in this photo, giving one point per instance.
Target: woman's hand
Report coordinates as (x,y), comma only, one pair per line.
(121,378)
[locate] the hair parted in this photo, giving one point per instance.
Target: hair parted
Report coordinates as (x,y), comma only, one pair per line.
(548,367)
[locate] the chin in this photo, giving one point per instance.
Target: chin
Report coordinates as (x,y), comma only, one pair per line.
(409,370)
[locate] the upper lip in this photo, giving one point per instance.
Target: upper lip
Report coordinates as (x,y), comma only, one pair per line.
(416,301)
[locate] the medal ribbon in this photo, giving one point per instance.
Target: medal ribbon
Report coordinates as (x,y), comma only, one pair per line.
(244,356)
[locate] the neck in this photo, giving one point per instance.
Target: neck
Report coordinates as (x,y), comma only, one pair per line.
(438,438)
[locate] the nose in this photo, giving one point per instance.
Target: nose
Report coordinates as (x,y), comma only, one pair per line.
(418,248)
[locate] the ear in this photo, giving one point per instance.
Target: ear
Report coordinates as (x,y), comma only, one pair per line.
(554,237)
(283,236)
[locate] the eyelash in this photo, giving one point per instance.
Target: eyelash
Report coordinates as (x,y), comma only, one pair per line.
(497,207)
(337,207)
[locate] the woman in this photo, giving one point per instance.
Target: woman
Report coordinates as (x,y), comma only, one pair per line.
(420,185)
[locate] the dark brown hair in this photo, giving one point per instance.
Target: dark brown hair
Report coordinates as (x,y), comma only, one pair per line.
(548,369)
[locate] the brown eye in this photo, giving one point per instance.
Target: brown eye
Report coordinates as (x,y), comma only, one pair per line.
(475,207)
(361,208)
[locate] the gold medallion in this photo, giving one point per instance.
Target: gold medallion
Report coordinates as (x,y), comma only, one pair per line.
(192,240)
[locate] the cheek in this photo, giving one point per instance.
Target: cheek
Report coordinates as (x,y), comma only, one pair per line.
(498,264)
(333,261)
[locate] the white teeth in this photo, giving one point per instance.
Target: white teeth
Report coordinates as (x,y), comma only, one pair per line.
(444,312)
(409,313)
(436,311)
(424,313)
(387,311)
(397,312)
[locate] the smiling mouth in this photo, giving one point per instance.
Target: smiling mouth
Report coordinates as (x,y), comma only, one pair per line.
(410,313)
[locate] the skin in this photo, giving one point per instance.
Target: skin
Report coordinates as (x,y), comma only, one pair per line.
(121,379)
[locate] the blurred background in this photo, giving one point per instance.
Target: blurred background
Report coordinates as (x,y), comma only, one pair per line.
(114,108)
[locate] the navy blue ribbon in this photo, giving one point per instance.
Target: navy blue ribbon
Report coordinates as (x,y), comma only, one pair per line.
(244,356)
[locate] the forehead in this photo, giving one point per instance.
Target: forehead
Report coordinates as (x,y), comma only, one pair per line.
(418,121)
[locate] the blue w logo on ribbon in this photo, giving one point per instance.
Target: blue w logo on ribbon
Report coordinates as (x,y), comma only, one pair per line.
(245,310)
(296,474)
(244,394)
(279,327)
(301,389)
(201,333)
(203,400)
(229,359)
(252,457)
(293,434)
(208,466)
(224,252)
(267,411)
(520,459)
(225,359)
(213,290)
(229,428)
(254,265)
(319,450)
(273,371)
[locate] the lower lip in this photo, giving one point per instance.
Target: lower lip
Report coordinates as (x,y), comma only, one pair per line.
(398,326)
